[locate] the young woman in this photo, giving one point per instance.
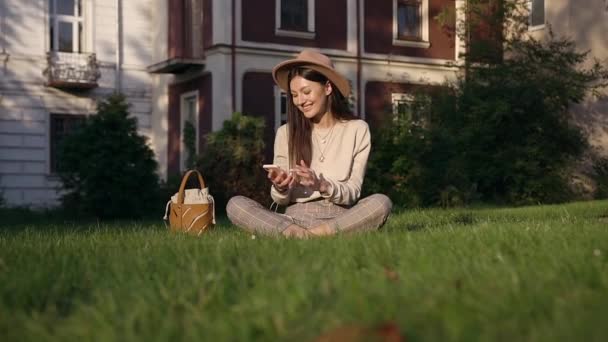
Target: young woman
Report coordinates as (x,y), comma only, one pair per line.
(320,157)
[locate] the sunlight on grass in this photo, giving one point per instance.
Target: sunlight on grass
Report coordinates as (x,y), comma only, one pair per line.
(532,273)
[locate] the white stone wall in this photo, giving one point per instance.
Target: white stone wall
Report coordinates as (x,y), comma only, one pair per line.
(159,121)
(26,103)
(586,23)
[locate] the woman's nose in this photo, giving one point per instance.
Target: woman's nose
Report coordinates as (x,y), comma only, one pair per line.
(301,99)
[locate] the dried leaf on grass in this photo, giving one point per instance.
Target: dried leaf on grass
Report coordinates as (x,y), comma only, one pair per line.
(385,332)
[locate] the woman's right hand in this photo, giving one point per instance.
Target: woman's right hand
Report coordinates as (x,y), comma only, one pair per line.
(281,179)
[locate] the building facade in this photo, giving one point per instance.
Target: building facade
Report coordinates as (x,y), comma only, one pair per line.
(586,23)
(57,58)
(199,61)
(219,56)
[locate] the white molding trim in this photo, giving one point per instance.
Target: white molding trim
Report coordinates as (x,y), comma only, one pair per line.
(411,43)
(460,44)
(238,26)
(424,17)
(47,32)
(383,58)
(351,26)
(91,24)
(277,107)
(182,119)
(396,97)
(295,34)
(286,49)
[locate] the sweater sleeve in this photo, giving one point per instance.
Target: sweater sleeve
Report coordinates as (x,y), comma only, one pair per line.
(281,159)
(347,192)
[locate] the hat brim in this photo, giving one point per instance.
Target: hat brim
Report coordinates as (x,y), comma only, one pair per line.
(281,71)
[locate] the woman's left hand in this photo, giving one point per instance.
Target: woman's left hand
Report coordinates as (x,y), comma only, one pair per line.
(308,177)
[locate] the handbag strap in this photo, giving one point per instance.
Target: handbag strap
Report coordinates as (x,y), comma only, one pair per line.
(182,187)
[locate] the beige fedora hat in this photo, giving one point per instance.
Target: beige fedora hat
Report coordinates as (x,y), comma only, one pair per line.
(313,60)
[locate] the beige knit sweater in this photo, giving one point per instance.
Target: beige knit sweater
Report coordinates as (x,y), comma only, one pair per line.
(345,158)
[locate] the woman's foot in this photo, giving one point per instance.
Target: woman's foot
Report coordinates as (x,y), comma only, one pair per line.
(296,232)
(322,230)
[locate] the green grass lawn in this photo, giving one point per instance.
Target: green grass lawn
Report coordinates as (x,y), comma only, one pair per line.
(522,274)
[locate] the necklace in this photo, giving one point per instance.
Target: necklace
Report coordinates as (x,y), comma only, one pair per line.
(323,140)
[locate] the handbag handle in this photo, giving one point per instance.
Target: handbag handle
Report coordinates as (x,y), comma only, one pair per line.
(182,187)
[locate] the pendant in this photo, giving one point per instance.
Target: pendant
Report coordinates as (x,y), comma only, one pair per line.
(323,141)
(321,159)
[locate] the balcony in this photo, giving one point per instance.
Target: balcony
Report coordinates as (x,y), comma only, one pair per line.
(176,65)
(186,39)
(71,70)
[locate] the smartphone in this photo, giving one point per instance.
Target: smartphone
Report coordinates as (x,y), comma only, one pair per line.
(270,166)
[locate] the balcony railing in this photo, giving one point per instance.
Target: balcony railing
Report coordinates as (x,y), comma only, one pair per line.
(71,70)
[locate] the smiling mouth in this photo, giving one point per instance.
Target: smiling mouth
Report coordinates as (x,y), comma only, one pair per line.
(306,108)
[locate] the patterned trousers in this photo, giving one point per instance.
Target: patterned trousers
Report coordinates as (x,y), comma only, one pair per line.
(368,214)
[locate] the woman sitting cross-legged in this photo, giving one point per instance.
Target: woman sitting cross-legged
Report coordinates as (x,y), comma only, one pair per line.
(320,157)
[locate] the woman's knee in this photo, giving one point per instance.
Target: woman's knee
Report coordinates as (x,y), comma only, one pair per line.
(383,202)
(233,204)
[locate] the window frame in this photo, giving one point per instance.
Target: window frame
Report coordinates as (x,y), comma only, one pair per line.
(310,34)
(53,143)
(77,21)
(396,98)
(279,95)
(423,41)
(531,26)
(183,98)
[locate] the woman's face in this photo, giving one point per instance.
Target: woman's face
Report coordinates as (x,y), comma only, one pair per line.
(309,97)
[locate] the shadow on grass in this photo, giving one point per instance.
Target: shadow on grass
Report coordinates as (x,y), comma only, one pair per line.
(15,220)
(427,219)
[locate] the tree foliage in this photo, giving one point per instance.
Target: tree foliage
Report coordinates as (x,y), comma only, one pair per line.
(106,167)
(500,133)
(231,162)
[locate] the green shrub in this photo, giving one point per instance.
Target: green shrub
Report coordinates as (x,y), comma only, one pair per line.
(501,133)
(189,140)
(600,167)
(106,167)
(232,161)
(415,160)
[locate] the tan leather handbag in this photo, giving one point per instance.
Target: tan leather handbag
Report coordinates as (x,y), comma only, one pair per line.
(193,210)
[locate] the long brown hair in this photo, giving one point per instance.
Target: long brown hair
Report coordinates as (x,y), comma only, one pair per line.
(300,127)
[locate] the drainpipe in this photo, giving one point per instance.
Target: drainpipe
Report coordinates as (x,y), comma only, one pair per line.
(117,71)
(233,56)
(359,66)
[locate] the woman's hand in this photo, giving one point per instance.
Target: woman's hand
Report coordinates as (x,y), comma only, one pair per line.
(281,179)
(308,177)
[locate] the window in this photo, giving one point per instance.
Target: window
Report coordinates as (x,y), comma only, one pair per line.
(61,126)
(66,26)
(295,18)
(411,109)
(188,129)
(402,107)
(280,108)
(409,20)
(537,13)
(410,23)
(294,15)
